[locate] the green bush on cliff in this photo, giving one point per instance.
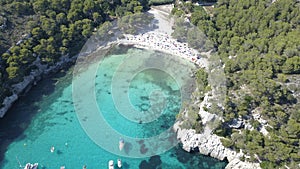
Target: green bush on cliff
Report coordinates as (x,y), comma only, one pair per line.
(257,44)
(54,28)
(227,142)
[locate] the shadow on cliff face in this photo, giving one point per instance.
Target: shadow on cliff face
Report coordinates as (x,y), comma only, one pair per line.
(18,118)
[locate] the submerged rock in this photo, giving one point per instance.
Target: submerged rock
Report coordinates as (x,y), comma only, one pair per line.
(154,162)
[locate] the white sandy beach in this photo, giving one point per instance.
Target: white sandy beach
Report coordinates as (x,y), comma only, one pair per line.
(160,38)
(164,43)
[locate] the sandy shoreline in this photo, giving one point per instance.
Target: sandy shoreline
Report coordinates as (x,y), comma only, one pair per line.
(164,43)
(160,38)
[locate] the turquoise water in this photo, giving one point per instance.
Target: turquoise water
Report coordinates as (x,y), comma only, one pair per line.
(46,117)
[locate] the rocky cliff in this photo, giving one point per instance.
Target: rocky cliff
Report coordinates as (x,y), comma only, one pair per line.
(32,79)
(210,144)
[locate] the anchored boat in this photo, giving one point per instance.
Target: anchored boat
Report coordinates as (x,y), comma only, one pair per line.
(119,163)
(31,166)
(121,144)
(111,164)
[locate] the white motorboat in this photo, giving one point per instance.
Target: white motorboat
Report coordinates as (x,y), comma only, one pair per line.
(119,163)
(31,166)
(121,144)
(27,166)
(111,164)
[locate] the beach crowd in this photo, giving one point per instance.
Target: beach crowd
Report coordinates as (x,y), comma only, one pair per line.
(164,43)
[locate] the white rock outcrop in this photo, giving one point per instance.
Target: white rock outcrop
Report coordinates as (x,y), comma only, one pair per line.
(211,145)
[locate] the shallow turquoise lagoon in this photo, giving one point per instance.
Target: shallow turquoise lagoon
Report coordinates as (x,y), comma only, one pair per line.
(46,117)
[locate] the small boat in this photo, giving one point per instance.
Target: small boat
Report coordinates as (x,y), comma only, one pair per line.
(52,149)
(119,163)
(31,166)
(111,164)
(27,166)
(121,144)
